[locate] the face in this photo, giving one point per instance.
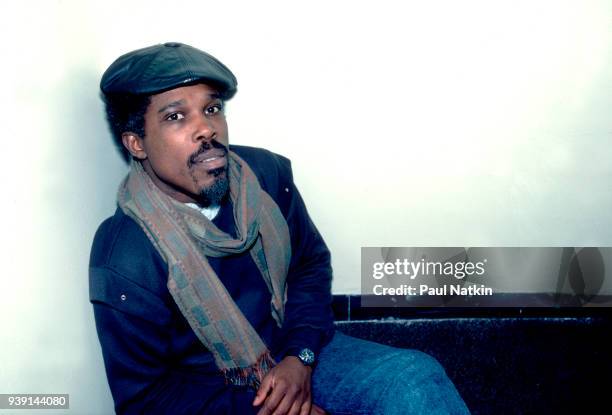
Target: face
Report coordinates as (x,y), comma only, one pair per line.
(184,150)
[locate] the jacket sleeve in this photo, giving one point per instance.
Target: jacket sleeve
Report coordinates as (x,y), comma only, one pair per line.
(308,313)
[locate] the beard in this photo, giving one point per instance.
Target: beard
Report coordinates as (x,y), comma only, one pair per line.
(216,193)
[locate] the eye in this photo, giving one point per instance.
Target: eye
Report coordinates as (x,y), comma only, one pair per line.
(175,116)
(214,109)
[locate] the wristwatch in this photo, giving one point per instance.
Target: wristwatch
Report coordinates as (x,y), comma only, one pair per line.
(306,356)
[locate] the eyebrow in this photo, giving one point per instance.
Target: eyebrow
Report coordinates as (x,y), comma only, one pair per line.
(171,105)
(182,102)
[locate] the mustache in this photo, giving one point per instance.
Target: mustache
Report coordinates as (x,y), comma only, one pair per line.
(206,146)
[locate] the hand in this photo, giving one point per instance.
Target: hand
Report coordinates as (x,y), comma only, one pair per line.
(285,389)
(315,410)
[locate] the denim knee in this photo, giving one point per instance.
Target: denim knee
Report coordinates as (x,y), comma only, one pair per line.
(420,386)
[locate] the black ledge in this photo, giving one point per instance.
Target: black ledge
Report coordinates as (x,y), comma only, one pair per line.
(348,307)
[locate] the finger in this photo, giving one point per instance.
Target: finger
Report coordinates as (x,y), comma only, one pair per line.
(274,398)
(264,389)
(316,410)
(286,406)
(287,397)
(296,407)
(306,407)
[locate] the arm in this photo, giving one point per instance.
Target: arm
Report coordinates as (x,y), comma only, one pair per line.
(134,329)
(308,315)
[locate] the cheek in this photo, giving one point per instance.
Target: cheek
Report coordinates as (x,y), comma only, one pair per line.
(176,172)
(221,129)
(168,161)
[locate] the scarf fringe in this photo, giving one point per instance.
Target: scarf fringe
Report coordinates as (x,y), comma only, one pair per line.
(252,375)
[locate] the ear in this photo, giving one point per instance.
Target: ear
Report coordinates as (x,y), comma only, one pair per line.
(133,143)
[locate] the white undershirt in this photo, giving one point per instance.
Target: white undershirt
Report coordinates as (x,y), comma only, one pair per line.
(210,212)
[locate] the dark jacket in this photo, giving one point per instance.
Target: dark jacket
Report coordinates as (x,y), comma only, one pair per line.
(154,361)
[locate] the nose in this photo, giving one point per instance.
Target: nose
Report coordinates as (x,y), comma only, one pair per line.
(204,129)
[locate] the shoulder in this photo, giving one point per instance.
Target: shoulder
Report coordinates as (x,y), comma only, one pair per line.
(122,253)
(264,162)
(272,170)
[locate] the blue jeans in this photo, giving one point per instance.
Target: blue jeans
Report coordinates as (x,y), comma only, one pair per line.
(355,376)
(359,377)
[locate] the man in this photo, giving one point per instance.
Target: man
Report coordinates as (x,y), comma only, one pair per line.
(210,284)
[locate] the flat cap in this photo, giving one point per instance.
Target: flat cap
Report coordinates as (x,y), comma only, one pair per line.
(160,68)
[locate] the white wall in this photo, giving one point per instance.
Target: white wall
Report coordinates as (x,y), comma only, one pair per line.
(410,123)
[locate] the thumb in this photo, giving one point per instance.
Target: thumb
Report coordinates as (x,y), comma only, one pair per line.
(264,390)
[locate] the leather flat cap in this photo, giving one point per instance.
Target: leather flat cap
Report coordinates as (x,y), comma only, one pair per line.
(160,68)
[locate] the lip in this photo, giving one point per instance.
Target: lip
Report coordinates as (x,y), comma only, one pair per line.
(210,160)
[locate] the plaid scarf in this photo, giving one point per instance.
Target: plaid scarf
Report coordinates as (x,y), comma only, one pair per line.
(184,238)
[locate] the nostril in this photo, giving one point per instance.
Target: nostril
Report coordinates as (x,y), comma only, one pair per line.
(205,133)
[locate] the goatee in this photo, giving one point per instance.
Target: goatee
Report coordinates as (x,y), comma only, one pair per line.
(216,193)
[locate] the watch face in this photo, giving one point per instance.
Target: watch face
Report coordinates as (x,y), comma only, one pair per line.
(307,357)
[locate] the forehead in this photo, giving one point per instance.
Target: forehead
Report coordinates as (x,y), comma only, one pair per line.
(185,95)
